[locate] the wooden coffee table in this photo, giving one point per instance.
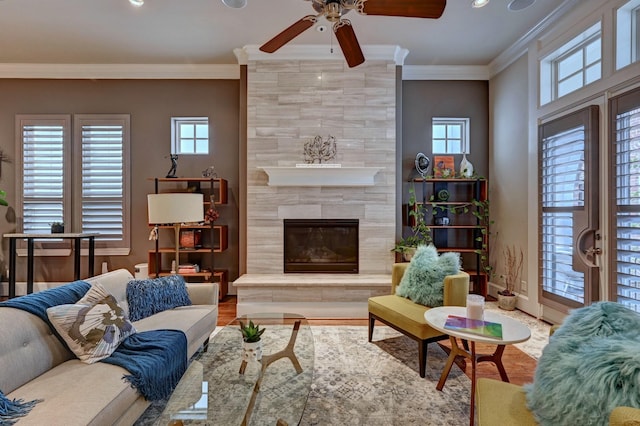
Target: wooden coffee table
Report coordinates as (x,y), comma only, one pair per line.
(219,388)
(512,332)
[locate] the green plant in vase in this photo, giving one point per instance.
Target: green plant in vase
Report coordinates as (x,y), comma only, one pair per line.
(252,344)
(420,231)
(3,198)
(251,332)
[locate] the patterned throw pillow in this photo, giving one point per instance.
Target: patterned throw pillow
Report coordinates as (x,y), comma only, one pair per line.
(148,297)
(94,326)
(423,281)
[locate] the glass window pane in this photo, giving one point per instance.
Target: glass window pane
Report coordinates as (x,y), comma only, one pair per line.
(439,147)
(569,65)
(186,131)
(454,131)
(202,131)
(439,131)
(593,52)
(454,146)
(186,146)
(570,85)
(593,73)
(202,146)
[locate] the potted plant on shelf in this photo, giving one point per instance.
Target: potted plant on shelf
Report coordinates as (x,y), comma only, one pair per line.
(252,343)
(57,228)
(420,231)
(513,260)
(3,198)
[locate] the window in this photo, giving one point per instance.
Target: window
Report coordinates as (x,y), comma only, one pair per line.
(627,34)
(573,66)
(450,135)
(98,199)
(189,135)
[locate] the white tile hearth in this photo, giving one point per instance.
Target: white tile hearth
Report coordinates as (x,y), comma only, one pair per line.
(311,295)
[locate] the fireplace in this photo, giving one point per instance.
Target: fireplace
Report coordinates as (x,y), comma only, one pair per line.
(321,246)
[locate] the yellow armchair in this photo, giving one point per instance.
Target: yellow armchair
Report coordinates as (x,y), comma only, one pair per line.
(408,317)
(500,403)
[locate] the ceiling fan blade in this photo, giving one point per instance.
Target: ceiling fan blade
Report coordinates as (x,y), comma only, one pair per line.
(289,34)
(348,42)
(408,8)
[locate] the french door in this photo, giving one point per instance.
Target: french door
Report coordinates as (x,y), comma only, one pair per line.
(624,186)
(569,216)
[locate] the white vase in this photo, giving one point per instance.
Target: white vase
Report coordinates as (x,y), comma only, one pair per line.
(466,168)
(252,351)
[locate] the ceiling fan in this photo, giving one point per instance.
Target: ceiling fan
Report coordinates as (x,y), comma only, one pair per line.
(334,10)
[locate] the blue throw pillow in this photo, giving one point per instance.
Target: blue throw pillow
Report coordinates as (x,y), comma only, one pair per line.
(423,281)
(590,366)
(148,297)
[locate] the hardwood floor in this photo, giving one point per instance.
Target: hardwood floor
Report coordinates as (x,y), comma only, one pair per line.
(519,366)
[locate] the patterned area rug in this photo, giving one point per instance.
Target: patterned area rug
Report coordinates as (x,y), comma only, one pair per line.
(360,383)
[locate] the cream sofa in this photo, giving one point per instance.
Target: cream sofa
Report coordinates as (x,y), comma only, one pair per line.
(36,365)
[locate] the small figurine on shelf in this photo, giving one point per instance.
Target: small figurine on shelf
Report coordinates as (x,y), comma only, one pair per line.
(174,166)
(212,213)
(209,172)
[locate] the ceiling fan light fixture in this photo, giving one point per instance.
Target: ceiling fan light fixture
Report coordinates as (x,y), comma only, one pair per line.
(236,4)
(136,3)
(479,3)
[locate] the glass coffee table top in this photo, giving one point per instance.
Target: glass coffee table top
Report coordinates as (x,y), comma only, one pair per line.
(215,391)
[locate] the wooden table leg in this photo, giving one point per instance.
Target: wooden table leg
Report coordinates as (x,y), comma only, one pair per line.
(457,351)
(474,364)
(266,360)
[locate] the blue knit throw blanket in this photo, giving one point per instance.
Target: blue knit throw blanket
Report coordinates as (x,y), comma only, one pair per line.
(156,360)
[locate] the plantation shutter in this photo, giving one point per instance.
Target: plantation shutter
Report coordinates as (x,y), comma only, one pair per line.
(104,173)
(45,154)
(626,212)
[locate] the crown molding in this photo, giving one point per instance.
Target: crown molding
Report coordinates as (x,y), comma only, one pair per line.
(520,47)
(445,72)
(122,71)
(319,52)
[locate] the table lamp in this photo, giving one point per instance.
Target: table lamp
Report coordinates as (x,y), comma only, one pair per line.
(175,209)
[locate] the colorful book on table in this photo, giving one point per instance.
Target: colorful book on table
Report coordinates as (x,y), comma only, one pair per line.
(468,325)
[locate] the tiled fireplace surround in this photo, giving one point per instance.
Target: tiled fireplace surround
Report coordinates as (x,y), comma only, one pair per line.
(290,102)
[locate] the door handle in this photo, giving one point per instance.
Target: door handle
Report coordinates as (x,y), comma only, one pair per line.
(592,251)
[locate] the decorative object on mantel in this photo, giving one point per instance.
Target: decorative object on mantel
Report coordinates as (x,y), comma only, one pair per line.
(174,166)
(318,149)
(466,168)
(422,164)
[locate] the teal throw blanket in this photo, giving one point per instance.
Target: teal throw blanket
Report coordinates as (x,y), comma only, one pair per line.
(156,360)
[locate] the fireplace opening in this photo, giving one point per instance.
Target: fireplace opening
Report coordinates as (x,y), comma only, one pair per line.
(321,245)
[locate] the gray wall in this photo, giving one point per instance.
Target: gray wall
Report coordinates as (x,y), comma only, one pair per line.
(151,104)
(423,100)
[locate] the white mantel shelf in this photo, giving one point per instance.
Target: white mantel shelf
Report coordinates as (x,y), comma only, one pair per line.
(321,176)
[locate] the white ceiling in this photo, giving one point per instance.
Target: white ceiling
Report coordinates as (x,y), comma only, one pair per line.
(206,31)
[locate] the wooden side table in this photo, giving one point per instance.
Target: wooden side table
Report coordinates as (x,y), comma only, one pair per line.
(77,239)
(512,332)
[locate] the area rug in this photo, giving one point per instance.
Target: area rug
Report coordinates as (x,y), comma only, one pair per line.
(360,383)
